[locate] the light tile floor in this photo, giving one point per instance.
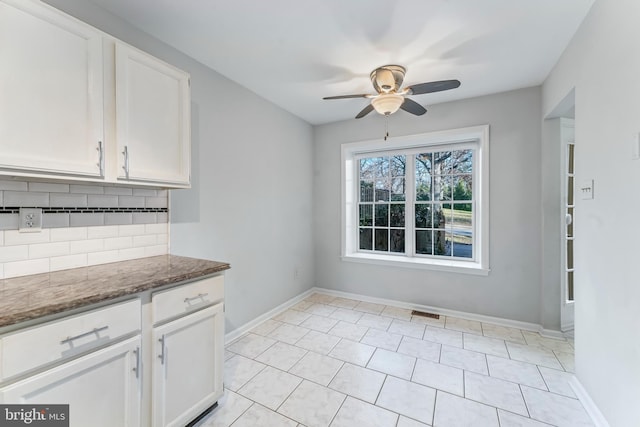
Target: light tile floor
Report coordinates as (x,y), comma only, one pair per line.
(338,362)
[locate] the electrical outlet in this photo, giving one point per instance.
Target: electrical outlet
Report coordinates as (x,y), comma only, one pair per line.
(30,220)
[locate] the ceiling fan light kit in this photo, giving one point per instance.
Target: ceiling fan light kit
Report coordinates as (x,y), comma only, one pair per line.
(387,103)
(390,98)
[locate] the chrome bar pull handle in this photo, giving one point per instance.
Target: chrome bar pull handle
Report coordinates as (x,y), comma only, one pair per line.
(126,161)
(161,355)
(199,296)
(94,331)
(136,368)
(101,157)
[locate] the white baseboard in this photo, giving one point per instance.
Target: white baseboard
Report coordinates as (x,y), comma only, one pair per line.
(445,312)
(588,403)
(238,332)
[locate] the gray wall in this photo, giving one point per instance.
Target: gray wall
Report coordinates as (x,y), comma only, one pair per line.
(250,201)
(512,289)
(602,64)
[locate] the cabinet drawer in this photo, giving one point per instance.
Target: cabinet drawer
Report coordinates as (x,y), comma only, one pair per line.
(51,342)
(184,299)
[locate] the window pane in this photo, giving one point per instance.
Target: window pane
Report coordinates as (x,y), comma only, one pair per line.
(366,215)
(397,189)
(381,166)
(423,242)
(462,187)
(462,245)
(367,169)
(423,177)
(442,215)
(382,215)
(442,187)
(462,217)
(397,215)
(461,162)
(442,163)
(397,241)
(382,190)
(366,191)
(366,239)
(441,243)
(423,216)
(382,239)
(398,165)
(570,186)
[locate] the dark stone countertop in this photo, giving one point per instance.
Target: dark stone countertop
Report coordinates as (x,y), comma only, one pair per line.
(30,297)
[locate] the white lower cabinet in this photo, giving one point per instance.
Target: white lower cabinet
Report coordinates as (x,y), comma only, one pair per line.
(102,388)
(187,367)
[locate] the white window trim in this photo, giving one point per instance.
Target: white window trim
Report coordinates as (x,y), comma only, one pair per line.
(349,202)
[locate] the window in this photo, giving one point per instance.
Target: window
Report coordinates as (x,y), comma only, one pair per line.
(418,201)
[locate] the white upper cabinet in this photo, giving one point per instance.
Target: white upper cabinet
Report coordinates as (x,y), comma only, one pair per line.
(51,92)
(152,118)
(77,104)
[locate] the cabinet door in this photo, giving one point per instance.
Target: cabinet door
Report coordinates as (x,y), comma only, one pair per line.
(102,388)
(187,370)
(152,119)
(51,92)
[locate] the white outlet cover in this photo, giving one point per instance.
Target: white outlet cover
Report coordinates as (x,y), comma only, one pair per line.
(30,220)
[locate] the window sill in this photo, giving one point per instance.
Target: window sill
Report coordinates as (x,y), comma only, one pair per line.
(419,263)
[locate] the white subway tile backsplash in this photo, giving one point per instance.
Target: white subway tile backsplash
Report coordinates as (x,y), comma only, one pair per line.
(145,192)
(131,230)
(9,221)
(49,187)
(14,237)
(102,201)
(86,189)
(145,217)
(68,234)
(11,185)
(86,219)
(14,253)
(118,218)
(86,246)
(131,201)
(47,250)
(155,202)
(102,257)
(68,200)
(67,262)
(25,199)
(118,243)
(155,228)
(55,220)
(118,191)
(24,268)
(155,250)
(102,232)
(83,224)
(151,240)
(131,253)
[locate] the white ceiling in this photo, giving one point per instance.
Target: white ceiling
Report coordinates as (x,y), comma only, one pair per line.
(294,52)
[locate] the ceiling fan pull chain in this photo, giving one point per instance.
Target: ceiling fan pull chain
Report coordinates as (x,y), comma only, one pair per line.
(386,126)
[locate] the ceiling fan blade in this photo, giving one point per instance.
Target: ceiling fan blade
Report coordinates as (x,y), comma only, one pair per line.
(411,106)
(366,110)
(364,95)
(432,87)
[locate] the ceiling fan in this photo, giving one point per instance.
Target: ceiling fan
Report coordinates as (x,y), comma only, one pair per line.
(386,81)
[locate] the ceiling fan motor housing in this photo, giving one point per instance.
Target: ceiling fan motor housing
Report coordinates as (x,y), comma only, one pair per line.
(388,78)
